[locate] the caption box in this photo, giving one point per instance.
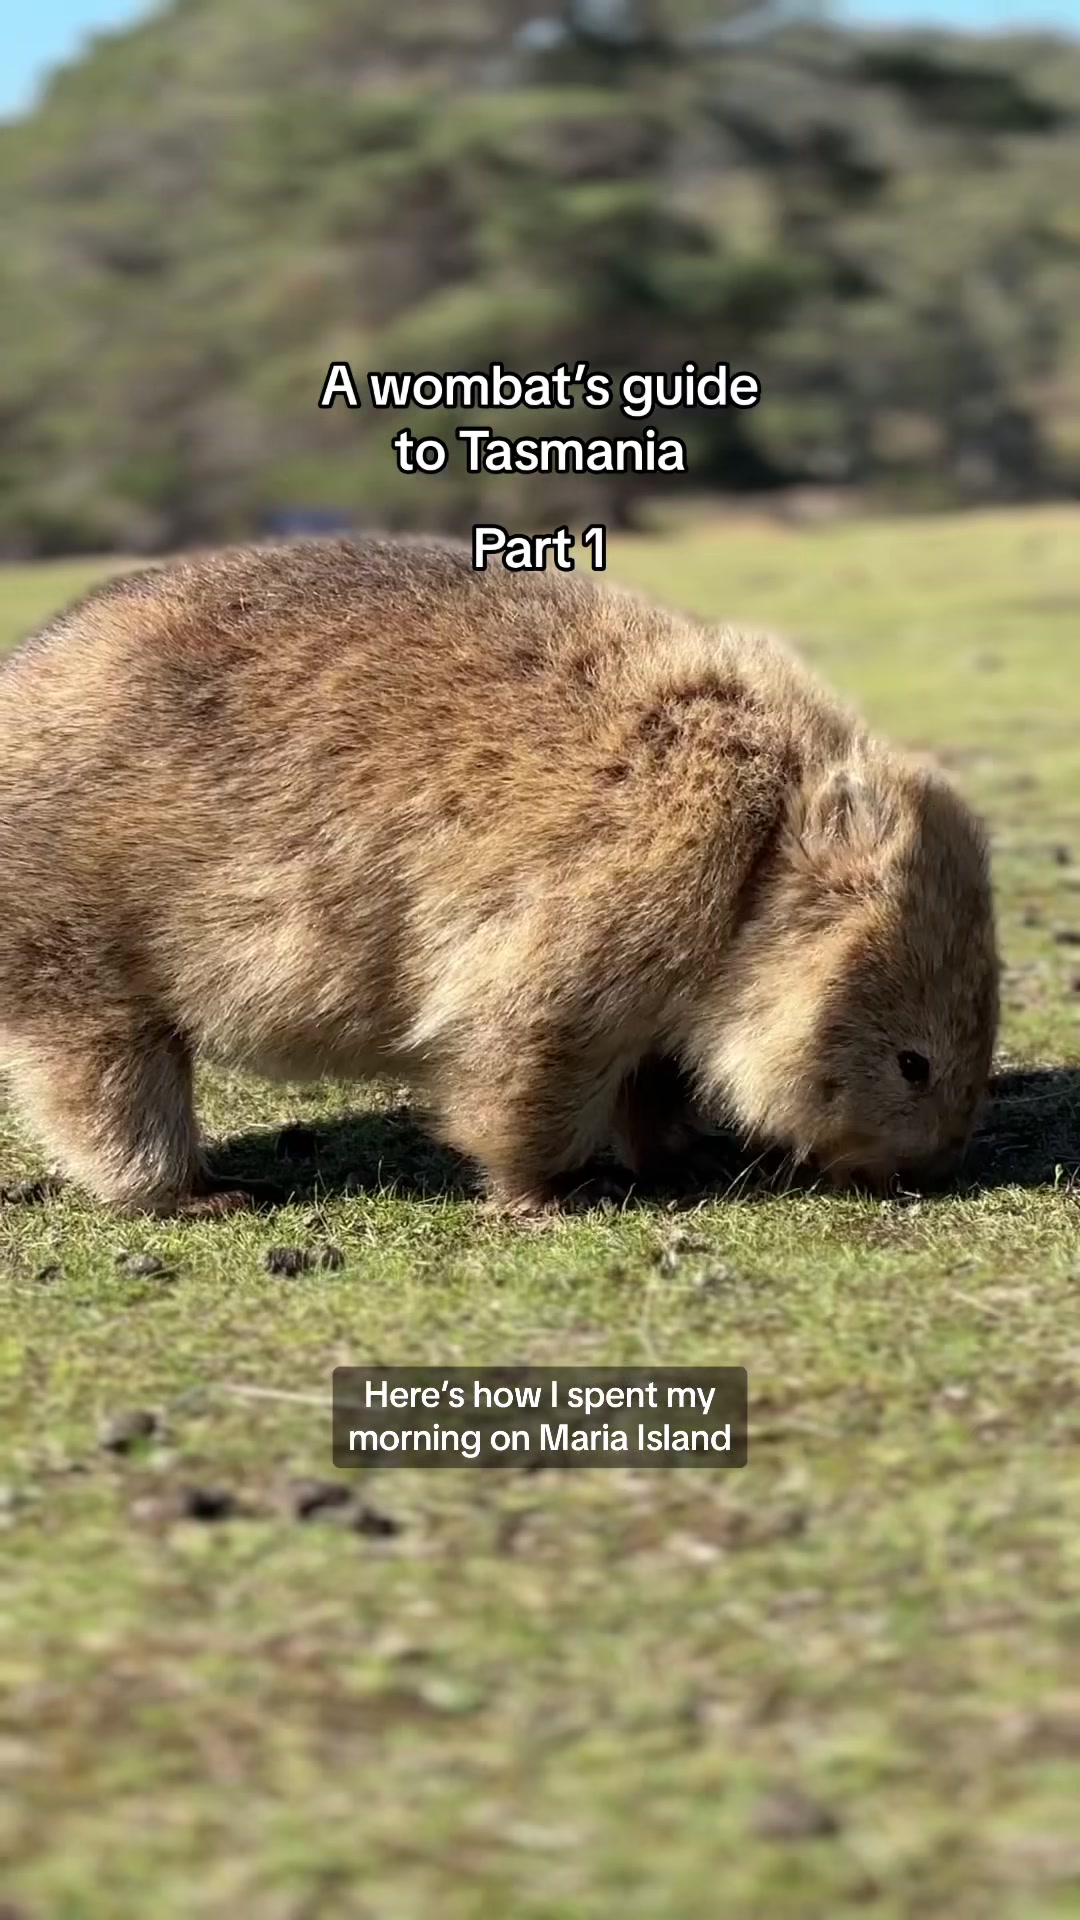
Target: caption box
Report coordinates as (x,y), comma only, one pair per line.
(540,1416)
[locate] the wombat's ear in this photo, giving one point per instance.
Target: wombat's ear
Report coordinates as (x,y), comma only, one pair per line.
(846,809)
(846,821)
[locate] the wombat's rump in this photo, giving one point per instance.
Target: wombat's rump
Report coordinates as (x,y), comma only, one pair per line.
(355,809)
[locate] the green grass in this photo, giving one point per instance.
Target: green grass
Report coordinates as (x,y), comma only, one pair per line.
(846,1680)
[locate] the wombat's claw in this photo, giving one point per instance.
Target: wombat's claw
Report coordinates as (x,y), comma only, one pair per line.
(537,1212)
(214,1206)
(239,1191)
(542,1222)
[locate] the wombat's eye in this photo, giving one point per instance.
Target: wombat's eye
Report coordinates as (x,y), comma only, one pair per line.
(915,1068)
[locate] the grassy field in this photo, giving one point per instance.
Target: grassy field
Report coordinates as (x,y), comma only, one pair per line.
(846,1680)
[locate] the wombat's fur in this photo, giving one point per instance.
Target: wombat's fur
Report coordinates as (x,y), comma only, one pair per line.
(356,809)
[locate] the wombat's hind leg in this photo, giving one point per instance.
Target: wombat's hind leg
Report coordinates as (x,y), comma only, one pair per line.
(113,1108)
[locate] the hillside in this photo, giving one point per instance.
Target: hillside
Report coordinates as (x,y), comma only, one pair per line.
(208,209)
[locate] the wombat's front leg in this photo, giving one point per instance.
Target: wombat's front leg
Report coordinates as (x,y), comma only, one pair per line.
(529,1112)
(652,1123)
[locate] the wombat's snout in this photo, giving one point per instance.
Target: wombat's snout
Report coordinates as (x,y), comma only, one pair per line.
(881,1174)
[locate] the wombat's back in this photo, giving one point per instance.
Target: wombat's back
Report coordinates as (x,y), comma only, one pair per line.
(276,690)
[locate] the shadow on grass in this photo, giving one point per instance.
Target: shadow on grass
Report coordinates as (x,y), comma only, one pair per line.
(1030,1131)
(1029,1137)
(382,1150)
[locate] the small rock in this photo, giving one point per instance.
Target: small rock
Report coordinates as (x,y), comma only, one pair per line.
(714,1276)
(683,1242)
(287,1261)
(375,1525)
(319,1496)
(669,1257)
(1067,936)
(296,1142)
(142,1266)
(150,1510)
(207,1503)
(122,1431)
(787,1813)
(1062,856)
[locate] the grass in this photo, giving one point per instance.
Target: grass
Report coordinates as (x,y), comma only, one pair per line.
(844,1681)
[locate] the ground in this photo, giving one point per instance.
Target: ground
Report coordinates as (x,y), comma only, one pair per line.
(844,1680)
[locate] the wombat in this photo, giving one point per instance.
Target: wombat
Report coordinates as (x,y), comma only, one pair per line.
(354,809)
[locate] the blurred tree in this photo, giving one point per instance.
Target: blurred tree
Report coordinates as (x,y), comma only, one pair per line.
(208,209)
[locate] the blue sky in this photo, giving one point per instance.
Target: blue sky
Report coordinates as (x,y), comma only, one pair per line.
(979,16)
(40,33)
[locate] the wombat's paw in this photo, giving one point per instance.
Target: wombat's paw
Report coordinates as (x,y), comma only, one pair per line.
(572,1193)
(535,1208)
(238,1191)
(605,1187)
(214,1206)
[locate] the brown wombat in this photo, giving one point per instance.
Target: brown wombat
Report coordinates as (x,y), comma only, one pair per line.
(355,809)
